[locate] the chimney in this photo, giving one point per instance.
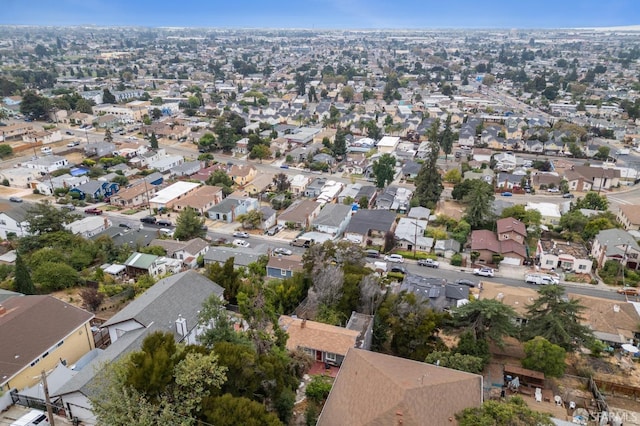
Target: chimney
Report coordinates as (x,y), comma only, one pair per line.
(3,310)
(181,326)
(303,323)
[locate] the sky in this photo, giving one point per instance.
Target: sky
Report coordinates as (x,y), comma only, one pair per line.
(324,14)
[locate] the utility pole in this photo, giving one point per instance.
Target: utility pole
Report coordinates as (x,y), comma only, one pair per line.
(46,398)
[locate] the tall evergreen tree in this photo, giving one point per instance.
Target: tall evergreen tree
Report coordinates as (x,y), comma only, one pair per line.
(22,281)
(339,147)
(429,182)
(153,141)
(446,138)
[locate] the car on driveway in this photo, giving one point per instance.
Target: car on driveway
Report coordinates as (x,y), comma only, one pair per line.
(430,263)
(241,243)
(483,272)
(394,258)
(629,291)
(15,199)
(468,283)
(239,234)
(93,210)
(282,251)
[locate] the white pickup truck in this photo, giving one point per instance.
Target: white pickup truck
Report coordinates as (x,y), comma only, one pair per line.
(540,279)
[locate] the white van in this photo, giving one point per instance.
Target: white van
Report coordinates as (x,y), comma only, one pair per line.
(32,418)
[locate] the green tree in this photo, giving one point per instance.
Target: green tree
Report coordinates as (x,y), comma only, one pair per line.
(347,93)
(446,138)
(318,388)
(602,153)
(457,361)
(514,412)
(363,202)
(281,182)
(479,208)
(453,176)
(207,142)
(227,410)
(51,276)
(557,319)
(153,141)
(214,312)
(108,137)
(429,181)
(469,186)
(518,211)
(227,277)
(22,282)
(251,220)
(487,318)
(592,201)
(45,218)
(260,152)
(5,151)
(85,106)
(373,131)
(384,170)
(542,355)
(35,106)
(222,179)
(339,147)
(469,345)
(189,225)
(108,97)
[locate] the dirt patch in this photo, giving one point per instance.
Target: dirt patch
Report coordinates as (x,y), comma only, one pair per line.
(452,209)
(106,310)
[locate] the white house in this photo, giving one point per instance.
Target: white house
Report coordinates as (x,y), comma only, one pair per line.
(47,164)
(19,177)
(388,144)
(550,212)
(89,226)
(12,222)
(564,255)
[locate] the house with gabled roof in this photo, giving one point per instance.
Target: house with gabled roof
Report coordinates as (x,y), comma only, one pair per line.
(284,267)
(617,245)
(301,214)
(13,220)
(629,216)
(50,330)
(170,305)
(369,225)
(378,389)
(332,219)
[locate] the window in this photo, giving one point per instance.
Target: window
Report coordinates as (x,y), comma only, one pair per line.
(60,343)
(582,267)
(328,356)
(283,272)
(549,262)
(46,354)
(35,362)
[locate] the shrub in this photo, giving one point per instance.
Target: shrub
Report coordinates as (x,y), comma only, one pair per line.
(456,259)
(318,388)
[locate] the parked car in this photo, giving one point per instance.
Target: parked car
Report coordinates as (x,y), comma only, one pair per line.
(567,195)
(468,283)
(15,199)
(241,243)
(148,219)
(430,263)
(239,234)
(398,269)
(164,222)
(394,258)
(72,144)
(554,190)
(124,225)
(541,279)
(69,132)
(506,194)
(629,291)
(93,210)
(301,242)
(372,253)
(282,251)
(483,272)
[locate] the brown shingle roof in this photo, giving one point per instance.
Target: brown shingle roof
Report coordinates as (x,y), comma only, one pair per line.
(509,224)
(485,240)
(377,389)
(30,326)
(318,336)
(632,212)
(592,173)
(292,263)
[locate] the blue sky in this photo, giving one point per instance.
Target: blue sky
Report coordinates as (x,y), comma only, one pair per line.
(325,13)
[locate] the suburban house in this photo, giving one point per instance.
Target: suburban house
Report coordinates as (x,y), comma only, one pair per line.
(436,292)
(301,214)
(388,144)
(410,235)
(299,184)
(314,188)
(167,197)
(487,245)
(615,244)
(170,305)
(50,330)
(19,177)
(241,256)
(394,198)
(612,321)
(133,196)
(99,149)
(446,248)
(242,174)
(89,226)
(629,216)
(505,161)
(96,190)
(14,131)
(186,251)
(587,178)
(142,263)
(325,343)
(332,219)
(378,389)
(232,207)
(549,212)
(512,229)
(284,267)
(201,199)
(565,255)
(13,220)
(47,164)
(370,225)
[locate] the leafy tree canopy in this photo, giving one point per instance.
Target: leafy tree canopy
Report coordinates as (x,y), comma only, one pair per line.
(513,412)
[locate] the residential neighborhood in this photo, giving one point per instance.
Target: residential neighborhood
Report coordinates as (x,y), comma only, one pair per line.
(319,226)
